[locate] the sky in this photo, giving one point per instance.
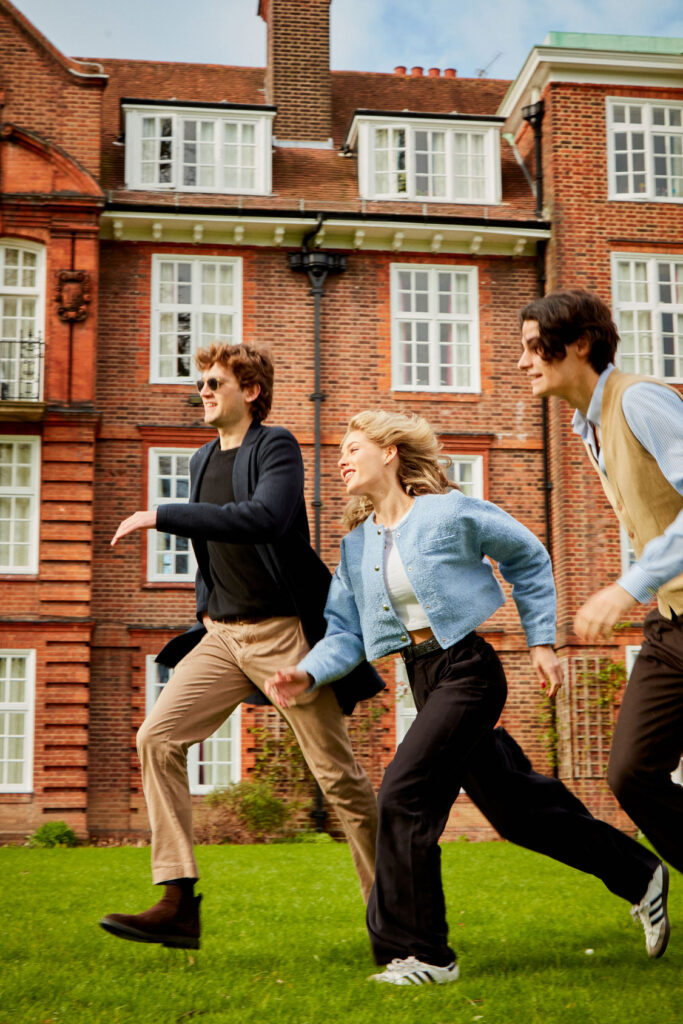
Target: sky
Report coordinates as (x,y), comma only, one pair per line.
(473,36)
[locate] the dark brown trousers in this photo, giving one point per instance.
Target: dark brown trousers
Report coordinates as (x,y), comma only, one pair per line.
(648,739)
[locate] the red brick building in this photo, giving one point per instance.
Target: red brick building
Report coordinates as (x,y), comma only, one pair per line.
(169,205)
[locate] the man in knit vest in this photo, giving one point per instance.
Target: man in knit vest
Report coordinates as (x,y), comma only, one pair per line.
(632,428)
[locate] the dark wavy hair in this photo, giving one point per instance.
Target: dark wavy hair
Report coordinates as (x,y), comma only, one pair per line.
(564,317)
(249,365)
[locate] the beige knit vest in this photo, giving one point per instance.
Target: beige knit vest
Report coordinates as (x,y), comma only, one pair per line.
(643,499)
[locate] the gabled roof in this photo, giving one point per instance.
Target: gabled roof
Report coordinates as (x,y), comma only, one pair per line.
(306,179)
(85,70)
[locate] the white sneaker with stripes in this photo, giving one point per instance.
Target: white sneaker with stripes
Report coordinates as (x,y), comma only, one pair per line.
(411,971)
(652,912)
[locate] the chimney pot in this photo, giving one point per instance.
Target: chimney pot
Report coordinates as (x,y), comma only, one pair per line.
(434,72)
(400,69)
(449,73)
(416,72)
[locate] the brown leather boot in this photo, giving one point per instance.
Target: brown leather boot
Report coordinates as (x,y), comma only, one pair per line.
(173,921)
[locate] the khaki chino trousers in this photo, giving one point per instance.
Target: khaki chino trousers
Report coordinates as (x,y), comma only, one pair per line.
(228,664)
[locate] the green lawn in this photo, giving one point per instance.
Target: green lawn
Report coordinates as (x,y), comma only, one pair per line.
(284,943)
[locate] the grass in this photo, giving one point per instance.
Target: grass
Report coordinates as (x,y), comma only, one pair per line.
(284,943)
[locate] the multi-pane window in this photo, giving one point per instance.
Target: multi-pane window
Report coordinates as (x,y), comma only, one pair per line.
(467,471)
(434,328)
(156,151)
(19,483)
(648,304)
(469,166)
(213,763)
(169,558)
(195,302)
(646,149)
(440,161)
(390,162)
(21,311)
(193,150)
(239,156)
(17,678)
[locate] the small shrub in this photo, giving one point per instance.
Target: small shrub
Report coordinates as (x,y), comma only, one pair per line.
(53,833)
(246,812)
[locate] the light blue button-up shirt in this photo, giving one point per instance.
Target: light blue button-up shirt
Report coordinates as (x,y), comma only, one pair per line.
(655,415)
(443,543)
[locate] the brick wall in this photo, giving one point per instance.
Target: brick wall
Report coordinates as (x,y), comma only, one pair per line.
(298,77)
(42,94)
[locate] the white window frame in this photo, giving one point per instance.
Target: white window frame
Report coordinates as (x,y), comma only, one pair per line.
(653,364)
(195,309)
(262,122)
(27,709)
(154,537)
(649,130)
(32,491)
(229,731)
(367,128)
(13,365)
(477,464)
(434,318)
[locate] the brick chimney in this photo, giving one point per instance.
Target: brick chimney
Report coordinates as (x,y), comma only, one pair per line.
(298,80)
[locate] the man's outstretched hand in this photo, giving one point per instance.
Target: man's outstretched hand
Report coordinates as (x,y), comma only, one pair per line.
(596,619)
(138,521)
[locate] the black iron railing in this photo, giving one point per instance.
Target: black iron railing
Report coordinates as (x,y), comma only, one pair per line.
(21,369)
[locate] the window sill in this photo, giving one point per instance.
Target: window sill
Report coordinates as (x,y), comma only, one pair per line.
(645,199)
(441,396)
(170,585)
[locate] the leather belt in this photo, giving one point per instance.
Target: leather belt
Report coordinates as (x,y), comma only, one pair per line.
(417,651)
(239,619)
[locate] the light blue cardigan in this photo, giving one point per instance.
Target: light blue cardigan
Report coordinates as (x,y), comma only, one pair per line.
(442,542)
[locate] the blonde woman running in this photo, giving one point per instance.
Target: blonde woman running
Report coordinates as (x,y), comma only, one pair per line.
(414,577)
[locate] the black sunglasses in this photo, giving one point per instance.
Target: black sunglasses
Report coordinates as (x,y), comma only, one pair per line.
(213,382)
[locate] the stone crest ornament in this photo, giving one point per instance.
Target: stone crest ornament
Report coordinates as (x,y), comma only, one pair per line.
(73,295)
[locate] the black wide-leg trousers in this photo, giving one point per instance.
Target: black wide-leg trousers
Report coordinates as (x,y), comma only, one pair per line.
(459,694)
(648,739)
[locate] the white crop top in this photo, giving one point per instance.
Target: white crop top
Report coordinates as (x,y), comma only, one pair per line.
(400,590)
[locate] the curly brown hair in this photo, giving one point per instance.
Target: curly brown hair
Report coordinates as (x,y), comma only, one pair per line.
(249,365)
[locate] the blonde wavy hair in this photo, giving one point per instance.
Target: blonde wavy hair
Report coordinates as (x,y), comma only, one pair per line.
(420,466)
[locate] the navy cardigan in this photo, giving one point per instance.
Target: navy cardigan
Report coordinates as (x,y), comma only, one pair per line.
(268,512)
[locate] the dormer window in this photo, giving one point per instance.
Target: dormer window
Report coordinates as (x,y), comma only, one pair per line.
(208,148)
(434,159)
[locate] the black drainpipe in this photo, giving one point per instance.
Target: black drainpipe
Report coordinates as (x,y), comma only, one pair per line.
(317,264)
(533,114)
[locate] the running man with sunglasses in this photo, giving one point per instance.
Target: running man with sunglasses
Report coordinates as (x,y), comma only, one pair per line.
(261,591)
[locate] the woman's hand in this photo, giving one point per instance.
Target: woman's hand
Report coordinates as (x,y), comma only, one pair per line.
(138,521)
(548,668)
(286,685)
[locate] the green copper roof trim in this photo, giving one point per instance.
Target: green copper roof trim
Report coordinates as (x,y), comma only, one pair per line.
(624,44)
